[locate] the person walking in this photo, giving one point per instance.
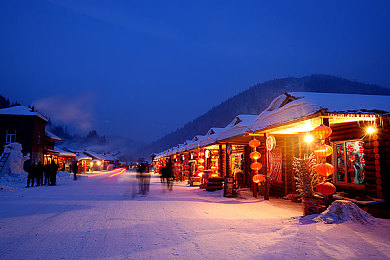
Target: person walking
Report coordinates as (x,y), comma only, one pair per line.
(146,180)
(74,169)
(53,173)
(168,174)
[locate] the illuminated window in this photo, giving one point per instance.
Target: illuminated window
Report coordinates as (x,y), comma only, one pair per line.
(10,136)
(350,162)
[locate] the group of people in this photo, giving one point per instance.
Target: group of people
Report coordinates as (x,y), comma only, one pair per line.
(41,174)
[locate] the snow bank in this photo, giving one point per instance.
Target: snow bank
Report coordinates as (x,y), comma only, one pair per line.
(342,211)
(13,181)
(17,181)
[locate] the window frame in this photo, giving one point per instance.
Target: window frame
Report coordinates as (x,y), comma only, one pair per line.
(334,162)
(10,137)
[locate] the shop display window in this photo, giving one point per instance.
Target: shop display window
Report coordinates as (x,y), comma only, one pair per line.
(350,162)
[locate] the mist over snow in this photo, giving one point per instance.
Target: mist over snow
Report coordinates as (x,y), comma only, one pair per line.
(76,111)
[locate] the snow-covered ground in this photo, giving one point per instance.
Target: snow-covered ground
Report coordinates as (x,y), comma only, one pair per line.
(99,218)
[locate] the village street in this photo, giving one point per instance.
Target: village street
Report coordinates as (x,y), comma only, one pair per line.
(98,218)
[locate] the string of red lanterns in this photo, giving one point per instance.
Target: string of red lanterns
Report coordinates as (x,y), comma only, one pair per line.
(256,166)
(324,169)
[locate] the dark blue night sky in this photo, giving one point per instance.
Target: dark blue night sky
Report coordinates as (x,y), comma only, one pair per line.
(143,68)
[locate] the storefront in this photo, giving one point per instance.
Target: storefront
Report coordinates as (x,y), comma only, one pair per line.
(64,159)
(358,139)
(359,144)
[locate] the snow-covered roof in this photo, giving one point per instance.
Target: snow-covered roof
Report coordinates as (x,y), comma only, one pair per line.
(110,157)
(95,155)
(82,156)
(182,148)
(52,136)
(210,137)
(298,105)
(237,127)
(98,156)
(195,142)
(62,152)
(21,111)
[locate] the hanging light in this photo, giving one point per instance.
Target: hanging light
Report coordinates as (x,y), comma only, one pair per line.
(309,138)
(200,167)
(255,155)
(215,152)
(323,150)
(324,169)
(326,188)
(370,130)
(258,178)
(200,160)
(254,143)
(322,131)
(256,166)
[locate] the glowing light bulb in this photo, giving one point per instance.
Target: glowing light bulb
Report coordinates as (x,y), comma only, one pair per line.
(370,130)
(308,138)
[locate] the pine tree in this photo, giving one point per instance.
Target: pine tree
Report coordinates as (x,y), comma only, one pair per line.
(306,178)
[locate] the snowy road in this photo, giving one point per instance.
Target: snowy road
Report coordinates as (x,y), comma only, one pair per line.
(98,218)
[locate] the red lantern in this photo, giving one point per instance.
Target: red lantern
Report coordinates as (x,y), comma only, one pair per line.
(255,155)
(326,188)
(256,166)
(214,168)
(185,162)
(214,152)
(323,150)
(200,160)
(254,143)
(322,131)
(186,167)
(186,172)
(201,154)
(258,178)
(324,169)
(200,167)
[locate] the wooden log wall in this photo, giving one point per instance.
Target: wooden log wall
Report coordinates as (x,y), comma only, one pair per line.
(372,169)
(292,147)
(384,140)
(376,154)
(222,160)
(247,166)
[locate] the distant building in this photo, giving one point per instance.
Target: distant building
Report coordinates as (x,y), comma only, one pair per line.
(49,153)
(26,126)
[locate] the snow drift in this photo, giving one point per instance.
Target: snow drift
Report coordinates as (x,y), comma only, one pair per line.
(342,211)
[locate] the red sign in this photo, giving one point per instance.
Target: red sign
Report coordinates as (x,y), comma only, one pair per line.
(275,165)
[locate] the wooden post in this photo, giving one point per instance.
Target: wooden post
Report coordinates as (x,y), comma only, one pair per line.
(266,187)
